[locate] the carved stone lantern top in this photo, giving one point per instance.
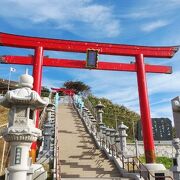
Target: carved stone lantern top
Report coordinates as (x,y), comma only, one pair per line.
(23,103)
(122,126)
(24,95)
(99,106)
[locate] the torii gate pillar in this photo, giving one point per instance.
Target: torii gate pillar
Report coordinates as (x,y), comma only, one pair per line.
(37,74)
(145,110)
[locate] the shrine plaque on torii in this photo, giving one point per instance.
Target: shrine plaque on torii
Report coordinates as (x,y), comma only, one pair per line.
(138,52)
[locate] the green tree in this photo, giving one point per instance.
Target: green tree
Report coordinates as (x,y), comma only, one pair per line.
(77,86)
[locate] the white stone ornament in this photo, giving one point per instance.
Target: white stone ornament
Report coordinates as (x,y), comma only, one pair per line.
(21,131)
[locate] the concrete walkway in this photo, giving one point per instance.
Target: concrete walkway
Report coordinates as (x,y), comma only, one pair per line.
(79,157)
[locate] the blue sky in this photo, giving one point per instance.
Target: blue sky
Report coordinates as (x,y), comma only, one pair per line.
(150,22)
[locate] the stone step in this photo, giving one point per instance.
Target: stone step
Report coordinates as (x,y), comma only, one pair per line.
(88,175)
(89,169)
(79,156)
(104,178)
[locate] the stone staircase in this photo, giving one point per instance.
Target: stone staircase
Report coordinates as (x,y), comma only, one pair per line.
(79,156)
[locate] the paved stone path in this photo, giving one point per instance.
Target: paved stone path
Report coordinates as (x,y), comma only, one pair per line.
(79,157)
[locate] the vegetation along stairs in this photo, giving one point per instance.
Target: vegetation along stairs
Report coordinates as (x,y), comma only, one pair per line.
(79,156)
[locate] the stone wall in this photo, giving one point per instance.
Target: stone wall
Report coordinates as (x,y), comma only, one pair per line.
(162,148)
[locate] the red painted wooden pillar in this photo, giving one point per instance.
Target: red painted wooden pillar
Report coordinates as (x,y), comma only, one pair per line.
(145,111)
(37,74)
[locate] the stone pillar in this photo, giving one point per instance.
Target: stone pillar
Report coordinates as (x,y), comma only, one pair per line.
(101,128)
(107,137)
(99,109)
(112,140)
(103,134)
(21,130)
(176,160)
(122,134)
(93,125)
(117,138)
(176,114)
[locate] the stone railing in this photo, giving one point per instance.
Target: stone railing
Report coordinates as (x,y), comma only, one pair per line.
(113,143)
(108,140)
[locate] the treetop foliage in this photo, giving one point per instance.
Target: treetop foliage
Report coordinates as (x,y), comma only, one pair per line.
(78,86)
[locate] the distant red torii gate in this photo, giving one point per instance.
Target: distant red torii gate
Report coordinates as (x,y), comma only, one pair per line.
(69,92)
(139,52)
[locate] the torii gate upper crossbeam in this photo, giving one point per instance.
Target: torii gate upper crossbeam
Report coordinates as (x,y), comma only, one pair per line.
(12,40)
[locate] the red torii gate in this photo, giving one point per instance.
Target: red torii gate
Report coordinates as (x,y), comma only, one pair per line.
(139,52)
(69,92)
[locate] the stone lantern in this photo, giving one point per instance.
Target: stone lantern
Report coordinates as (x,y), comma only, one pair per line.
(100,112)
(21,130)
(122,134)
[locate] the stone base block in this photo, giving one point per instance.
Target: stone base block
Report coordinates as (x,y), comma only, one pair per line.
(154,171)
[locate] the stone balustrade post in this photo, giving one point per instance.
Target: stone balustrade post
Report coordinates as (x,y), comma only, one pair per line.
(122,135)
(84,112)
(117,139)
(108,137)
(101,126)
(103,135)
(93,125)
(88,118)
(112,136)
(176,160)
(99,109)
(21,130)
(112,139)
(81,104)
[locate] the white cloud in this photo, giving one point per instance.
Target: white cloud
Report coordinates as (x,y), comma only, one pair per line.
(152,9)
(164,83)
(49,83)
(152,26)
(76,16)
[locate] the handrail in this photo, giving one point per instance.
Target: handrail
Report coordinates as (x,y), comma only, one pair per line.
(114,150)
(42,117)
(38,169)
(39,175)
(42,156)
(57,165)
(134,160)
